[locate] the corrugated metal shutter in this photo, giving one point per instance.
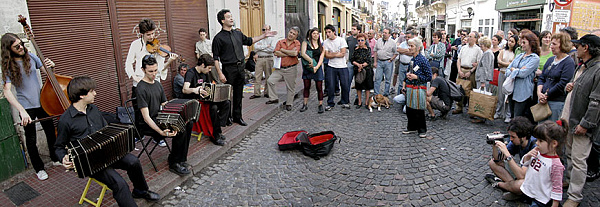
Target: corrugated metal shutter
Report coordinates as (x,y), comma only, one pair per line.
(185,20)
(76,35)
(129,13)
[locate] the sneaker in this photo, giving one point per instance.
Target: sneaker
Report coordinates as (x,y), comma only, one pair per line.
(56,163)
(328,108)
(492,179)
(392,91)
(511,196)
(161,143)
(422,135)
(408,132)
(507,120)
(42,175)
(347,106)
(321,109)
(591,176)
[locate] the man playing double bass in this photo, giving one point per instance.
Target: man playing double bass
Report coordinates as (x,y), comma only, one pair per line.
(19,70)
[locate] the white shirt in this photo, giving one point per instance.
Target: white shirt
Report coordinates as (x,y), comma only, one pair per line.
(204,47)
(336,45)
(137,51)
(404,58)
(264,47)
(469,55)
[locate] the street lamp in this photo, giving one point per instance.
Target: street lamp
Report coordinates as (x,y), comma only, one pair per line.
(470,12)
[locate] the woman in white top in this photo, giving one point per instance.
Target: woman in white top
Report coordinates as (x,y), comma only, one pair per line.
(506,56)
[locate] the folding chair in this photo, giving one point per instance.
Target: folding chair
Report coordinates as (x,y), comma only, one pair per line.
(85,191)
(144,145)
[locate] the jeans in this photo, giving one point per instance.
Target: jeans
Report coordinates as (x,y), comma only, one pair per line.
(401,76)
(350,73)
(332,76)
(400,99)
(31,138)
(556,107)
(384,68)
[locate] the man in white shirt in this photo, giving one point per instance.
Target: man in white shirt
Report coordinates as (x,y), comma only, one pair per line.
(503,42)
(203,46)
(385,53)
(337,69)
(137,50)
(467,61)
(404,60)
(264,63)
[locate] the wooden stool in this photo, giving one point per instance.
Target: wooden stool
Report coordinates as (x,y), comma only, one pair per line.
(85,191)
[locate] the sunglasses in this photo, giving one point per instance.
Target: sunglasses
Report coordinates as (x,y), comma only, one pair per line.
(361,40)
(264,30)
(147,57)
(22,44)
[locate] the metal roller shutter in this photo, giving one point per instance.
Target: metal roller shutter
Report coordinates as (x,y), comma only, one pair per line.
(76,35)
(186,17)
(129,13)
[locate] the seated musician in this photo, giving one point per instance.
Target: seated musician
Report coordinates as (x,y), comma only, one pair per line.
(219,111)
(83,118)
(150,97)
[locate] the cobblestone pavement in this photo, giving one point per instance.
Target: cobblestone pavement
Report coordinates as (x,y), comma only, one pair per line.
(374,164)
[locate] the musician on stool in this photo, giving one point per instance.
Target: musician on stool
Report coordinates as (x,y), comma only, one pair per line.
(150,97)
(83,118)
(219,111)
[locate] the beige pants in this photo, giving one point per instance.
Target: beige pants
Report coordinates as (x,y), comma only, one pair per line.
(578,150)
(262,65)
(289,76)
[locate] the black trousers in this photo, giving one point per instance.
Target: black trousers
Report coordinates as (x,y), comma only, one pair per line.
(416,120)
(235,77)
(219,112)
(453,71)
(118,185)
(179,145)
(31,138)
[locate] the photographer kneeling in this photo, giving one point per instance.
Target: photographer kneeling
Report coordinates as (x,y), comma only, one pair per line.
(521,142)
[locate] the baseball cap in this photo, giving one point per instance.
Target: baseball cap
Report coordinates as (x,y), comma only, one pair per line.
(588,39)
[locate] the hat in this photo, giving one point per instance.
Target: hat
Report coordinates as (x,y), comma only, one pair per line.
(588,39)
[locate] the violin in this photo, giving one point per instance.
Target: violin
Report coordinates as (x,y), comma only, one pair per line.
(53,96)
(163,50)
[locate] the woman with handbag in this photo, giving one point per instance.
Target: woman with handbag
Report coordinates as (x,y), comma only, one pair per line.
(506,56)
(312,59)
(418,74)
(363,69)
(522,70)
(485,68)
(557,72)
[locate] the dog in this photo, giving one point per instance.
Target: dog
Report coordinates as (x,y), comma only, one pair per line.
(378,101)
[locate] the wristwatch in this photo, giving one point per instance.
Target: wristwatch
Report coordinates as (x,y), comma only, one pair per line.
(509,158)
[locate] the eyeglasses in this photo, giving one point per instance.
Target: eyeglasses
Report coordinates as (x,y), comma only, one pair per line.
(361,40)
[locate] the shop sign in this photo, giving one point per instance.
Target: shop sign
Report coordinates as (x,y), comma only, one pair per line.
(561,16)
(507,4)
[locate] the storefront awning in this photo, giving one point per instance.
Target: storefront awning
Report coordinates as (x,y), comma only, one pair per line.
(424,25)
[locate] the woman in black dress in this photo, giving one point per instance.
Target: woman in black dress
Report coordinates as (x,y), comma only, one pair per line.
(362,61)
(312,60)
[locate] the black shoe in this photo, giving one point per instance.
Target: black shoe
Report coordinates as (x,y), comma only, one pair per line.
(266,95)
(337,93)
(229,122)
(321,110)
(254,96)
(219,140)
(492,179)
(356,101)
(304,108)
(179,169)
(339,102)
(149,195)
(591,176)
(288,107)
(358,106)
(185,164)
(272,101)
(240,122)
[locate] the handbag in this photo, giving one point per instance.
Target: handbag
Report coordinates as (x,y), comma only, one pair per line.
(466,85)
(540,111)
(360,76)
(509,85)
(416,96)
(482,105)
(495,78)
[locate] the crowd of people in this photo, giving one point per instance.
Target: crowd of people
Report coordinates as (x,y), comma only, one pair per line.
(558,69)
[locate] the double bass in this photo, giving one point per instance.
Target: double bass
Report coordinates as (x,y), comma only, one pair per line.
(53,96)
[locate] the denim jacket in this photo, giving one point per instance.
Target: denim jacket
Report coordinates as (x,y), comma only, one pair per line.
(523,75)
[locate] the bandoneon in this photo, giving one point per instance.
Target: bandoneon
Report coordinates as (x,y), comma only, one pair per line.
(101,149)
(216,92)
(177,113)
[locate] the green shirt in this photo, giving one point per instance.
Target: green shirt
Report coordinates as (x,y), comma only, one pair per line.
(543,60)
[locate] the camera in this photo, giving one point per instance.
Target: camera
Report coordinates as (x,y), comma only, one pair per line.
(493,137)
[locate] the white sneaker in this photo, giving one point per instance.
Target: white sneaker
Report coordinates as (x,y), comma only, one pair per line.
(162,143)
(42,175)
(57,163)
(507,119)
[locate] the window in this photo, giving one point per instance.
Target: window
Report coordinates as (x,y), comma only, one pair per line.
(294,6)
(481,22)
(480,29)
(487,31)
(487,22)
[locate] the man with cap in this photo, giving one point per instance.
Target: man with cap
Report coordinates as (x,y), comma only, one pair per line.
(584,119)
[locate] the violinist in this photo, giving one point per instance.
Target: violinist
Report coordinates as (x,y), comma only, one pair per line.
(137,50)
(19,70)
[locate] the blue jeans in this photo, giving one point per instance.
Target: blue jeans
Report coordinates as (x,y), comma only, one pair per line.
(401,76)
(384,68)
(350,73)
(556,107)
(332,76)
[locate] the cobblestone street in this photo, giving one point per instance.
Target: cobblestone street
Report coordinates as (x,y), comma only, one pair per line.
(374,164)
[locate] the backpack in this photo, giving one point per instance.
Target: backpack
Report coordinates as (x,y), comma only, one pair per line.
(456,91)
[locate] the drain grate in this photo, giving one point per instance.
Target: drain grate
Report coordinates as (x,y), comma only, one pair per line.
(21,193)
